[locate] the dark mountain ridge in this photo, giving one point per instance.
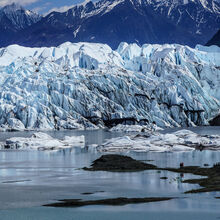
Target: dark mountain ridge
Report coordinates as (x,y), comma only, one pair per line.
(215,40)
(113,21)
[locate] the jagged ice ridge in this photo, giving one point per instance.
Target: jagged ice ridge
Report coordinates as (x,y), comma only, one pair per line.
(88,85)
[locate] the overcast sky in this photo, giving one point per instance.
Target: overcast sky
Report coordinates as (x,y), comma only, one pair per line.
(43,6)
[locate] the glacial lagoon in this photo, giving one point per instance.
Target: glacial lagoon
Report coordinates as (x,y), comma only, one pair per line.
(30,179)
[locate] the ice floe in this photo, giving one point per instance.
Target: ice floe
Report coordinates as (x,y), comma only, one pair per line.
(135,128)
(42,141)
(183,140)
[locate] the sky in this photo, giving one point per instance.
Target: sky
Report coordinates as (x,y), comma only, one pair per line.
(43,6)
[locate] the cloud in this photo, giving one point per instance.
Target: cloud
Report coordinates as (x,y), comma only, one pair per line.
(60,9)
(38,9)
(20,2)
(67,7)
(42,8)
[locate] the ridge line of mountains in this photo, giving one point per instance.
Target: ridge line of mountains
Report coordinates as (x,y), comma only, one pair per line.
(186,22)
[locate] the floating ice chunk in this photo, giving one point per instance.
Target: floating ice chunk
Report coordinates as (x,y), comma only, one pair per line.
(184,132)
(135,128)
(130,128)
(183,140)
(180,147)
(42,141)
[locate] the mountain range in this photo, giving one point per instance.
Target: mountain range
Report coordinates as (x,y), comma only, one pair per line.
(187,22)
(13,19)
(215,40)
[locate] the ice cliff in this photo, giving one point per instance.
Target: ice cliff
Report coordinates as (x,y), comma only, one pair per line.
(87,85)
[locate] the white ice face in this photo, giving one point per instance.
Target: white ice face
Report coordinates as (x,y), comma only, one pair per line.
(87,85)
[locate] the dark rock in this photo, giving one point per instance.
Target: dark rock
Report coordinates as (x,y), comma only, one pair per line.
(164,178)
(215,40)
(210,184)
(215,121)
(87,193)
(119,163)
(91,193)
(114,201)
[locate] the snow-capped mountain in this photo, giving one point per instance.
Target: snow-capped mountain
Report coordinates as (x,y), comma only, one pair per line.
(19,17)
(196,16)
(14,18)
(215,40)
(186,22)
(92,85)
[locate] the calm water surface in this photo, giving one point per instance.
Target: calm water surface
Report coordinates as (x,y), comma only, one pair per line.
(29,179)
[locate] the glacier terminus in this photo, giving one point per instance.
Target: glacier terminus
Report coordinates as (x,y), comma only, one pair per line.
(89,85)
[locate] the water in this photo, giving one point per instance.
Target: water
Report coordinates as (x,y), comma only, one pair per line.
(44,177)
(91,136)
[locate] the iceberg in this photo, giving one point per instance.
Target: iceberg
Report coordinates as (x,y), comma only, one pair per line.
(42,141)
(88,85)
(183,140)
(135,128)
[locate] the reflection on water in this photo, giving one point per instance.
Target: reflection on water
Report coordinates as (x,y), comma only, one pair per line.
(128,214)
(162,211)
(91,136)
(169,159)
(48,176)
(203,130)
(98,136)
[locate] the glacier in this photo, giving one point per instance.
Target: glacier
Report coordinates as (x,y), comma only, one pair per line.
(89,85)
